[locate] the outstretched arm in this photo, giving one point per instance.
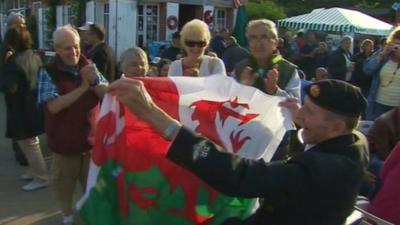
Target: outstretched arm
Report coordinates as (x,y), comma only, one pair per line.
(230,174)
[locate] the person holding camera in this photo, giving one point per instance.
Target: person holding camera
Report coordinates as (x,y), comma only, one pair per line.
(265,68)
(384,67)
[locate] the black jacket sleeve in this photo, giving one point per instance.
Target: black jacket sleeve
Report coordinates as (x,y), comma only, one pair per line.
(337,65)
(233,175)
(9,76)
(100,59)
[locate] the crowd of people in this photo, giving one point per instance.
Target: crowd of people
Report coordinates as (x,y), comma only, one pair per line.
(326,93)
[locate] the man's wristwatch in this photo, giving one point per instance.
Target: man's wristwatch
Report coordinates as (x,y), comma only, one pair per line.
(172,129)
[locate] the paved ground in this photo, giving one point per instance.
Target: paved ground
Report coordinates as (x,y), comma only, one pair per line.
(16,206)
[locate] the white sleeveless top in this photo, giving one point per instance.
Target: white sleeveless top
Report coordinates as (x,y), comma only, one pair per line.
(209,66)
(389,89)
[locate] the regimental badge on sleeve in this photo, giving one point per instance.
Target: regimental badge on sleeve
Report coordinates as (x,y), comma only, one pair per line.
(201,150)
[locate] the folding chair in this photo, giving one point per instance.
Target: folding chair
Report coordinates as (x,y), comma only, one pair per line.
(361,216)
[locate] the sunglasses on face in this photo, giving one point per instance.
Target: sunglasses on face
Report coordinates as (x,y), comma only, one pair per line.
(396,47)
(200,44)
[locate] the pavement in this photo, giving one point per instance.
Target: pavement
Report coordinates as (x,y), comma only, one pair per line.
(16,206)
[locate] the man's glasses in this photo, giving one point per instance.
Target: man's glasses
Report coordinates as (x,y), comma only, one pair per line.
(200,44)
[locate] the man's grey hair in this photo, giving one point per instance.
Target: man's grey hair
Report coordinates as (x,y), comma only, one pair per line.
(59,33)
(346,38)
(13,18)
(268,24)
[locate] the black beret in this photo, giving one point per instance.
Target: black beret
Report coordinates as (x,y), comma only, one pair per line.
(337,96)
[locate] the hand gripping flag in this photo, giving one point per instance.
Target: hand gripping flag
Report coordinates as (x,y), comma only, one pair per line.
(132,182)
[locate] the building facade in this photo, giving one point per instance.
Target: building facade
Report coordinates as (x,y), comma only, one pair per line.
(140,22)
(127,22)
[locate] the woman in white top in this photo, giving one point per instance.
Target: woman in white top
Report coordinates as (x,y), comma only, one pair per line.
(384,67)
(195,38)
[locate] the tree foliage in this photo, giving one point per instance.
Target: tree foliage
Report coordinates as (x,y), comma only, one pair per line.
(51,16)
(265,9)
(297,7)
(31,24)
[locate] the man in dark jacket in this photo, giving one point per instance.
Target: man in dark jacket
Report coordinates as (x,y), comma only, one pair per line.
(13,20)
(318,186)
(100,53)
(175,51)
(217,42)
(359,78)
(340,65)
(233,54)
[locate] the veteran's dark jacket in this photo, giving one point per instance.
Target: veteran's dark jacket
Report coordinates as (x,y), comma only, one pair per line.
(317,187)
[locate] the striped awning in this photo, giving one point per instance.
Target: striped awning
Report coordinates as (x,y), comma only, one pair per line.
(337,20)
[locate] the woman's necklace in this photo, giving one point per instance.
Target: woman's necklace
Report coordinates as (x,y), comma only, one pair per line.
(392,77)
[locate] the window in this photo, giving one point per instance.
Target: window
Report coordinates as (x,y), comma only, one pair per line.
(70,17)
(148,20)
(220,18)
(106,19)
(35,7)
(18,6)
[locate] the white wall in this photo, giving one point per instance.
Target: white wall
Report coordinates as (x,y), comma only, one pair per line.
(123,22)
(90,11)
(211,8)
(59,15)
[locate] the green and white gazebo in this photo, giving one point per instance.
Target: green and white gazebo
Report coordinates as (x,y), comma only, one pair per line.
(337,20)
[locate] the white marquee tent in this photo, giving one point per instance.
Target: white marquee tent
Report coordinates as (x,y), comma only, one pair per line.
(338,20)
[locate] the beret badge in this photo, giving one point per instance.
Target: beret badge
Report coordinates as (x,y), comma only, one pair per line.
(314,91)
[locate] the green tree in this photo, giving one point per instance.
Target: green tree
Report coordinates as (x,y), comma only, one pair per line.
(78,8)
(265,9)
(51,16)
(31,24)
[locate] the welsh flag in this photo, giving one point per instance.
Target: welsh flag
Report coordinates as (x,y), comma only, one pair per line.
(132,182)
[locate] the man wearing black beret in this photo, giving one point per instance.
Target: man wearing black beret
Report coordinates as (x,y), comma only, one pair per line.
(315,187)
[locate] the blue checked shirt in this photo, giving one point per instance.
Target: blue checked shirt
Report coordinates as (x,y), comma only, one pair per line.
(47,90)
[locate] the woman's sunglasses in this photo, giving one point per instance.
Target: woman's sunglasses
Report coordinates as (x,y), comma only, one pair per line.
(200,44)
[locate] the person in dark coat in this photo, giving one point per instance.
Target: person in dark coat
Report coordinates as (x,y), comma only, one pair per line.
(13,20)
(100,53)
(175,51)
(359,78)
(233,54)
(308,54)
(340,65)
(318,186)
(217,43)
(24,119)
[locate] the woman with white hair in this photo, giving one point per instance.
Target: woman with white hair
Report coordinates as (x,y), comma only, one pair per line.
(134,63)
(195,37)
